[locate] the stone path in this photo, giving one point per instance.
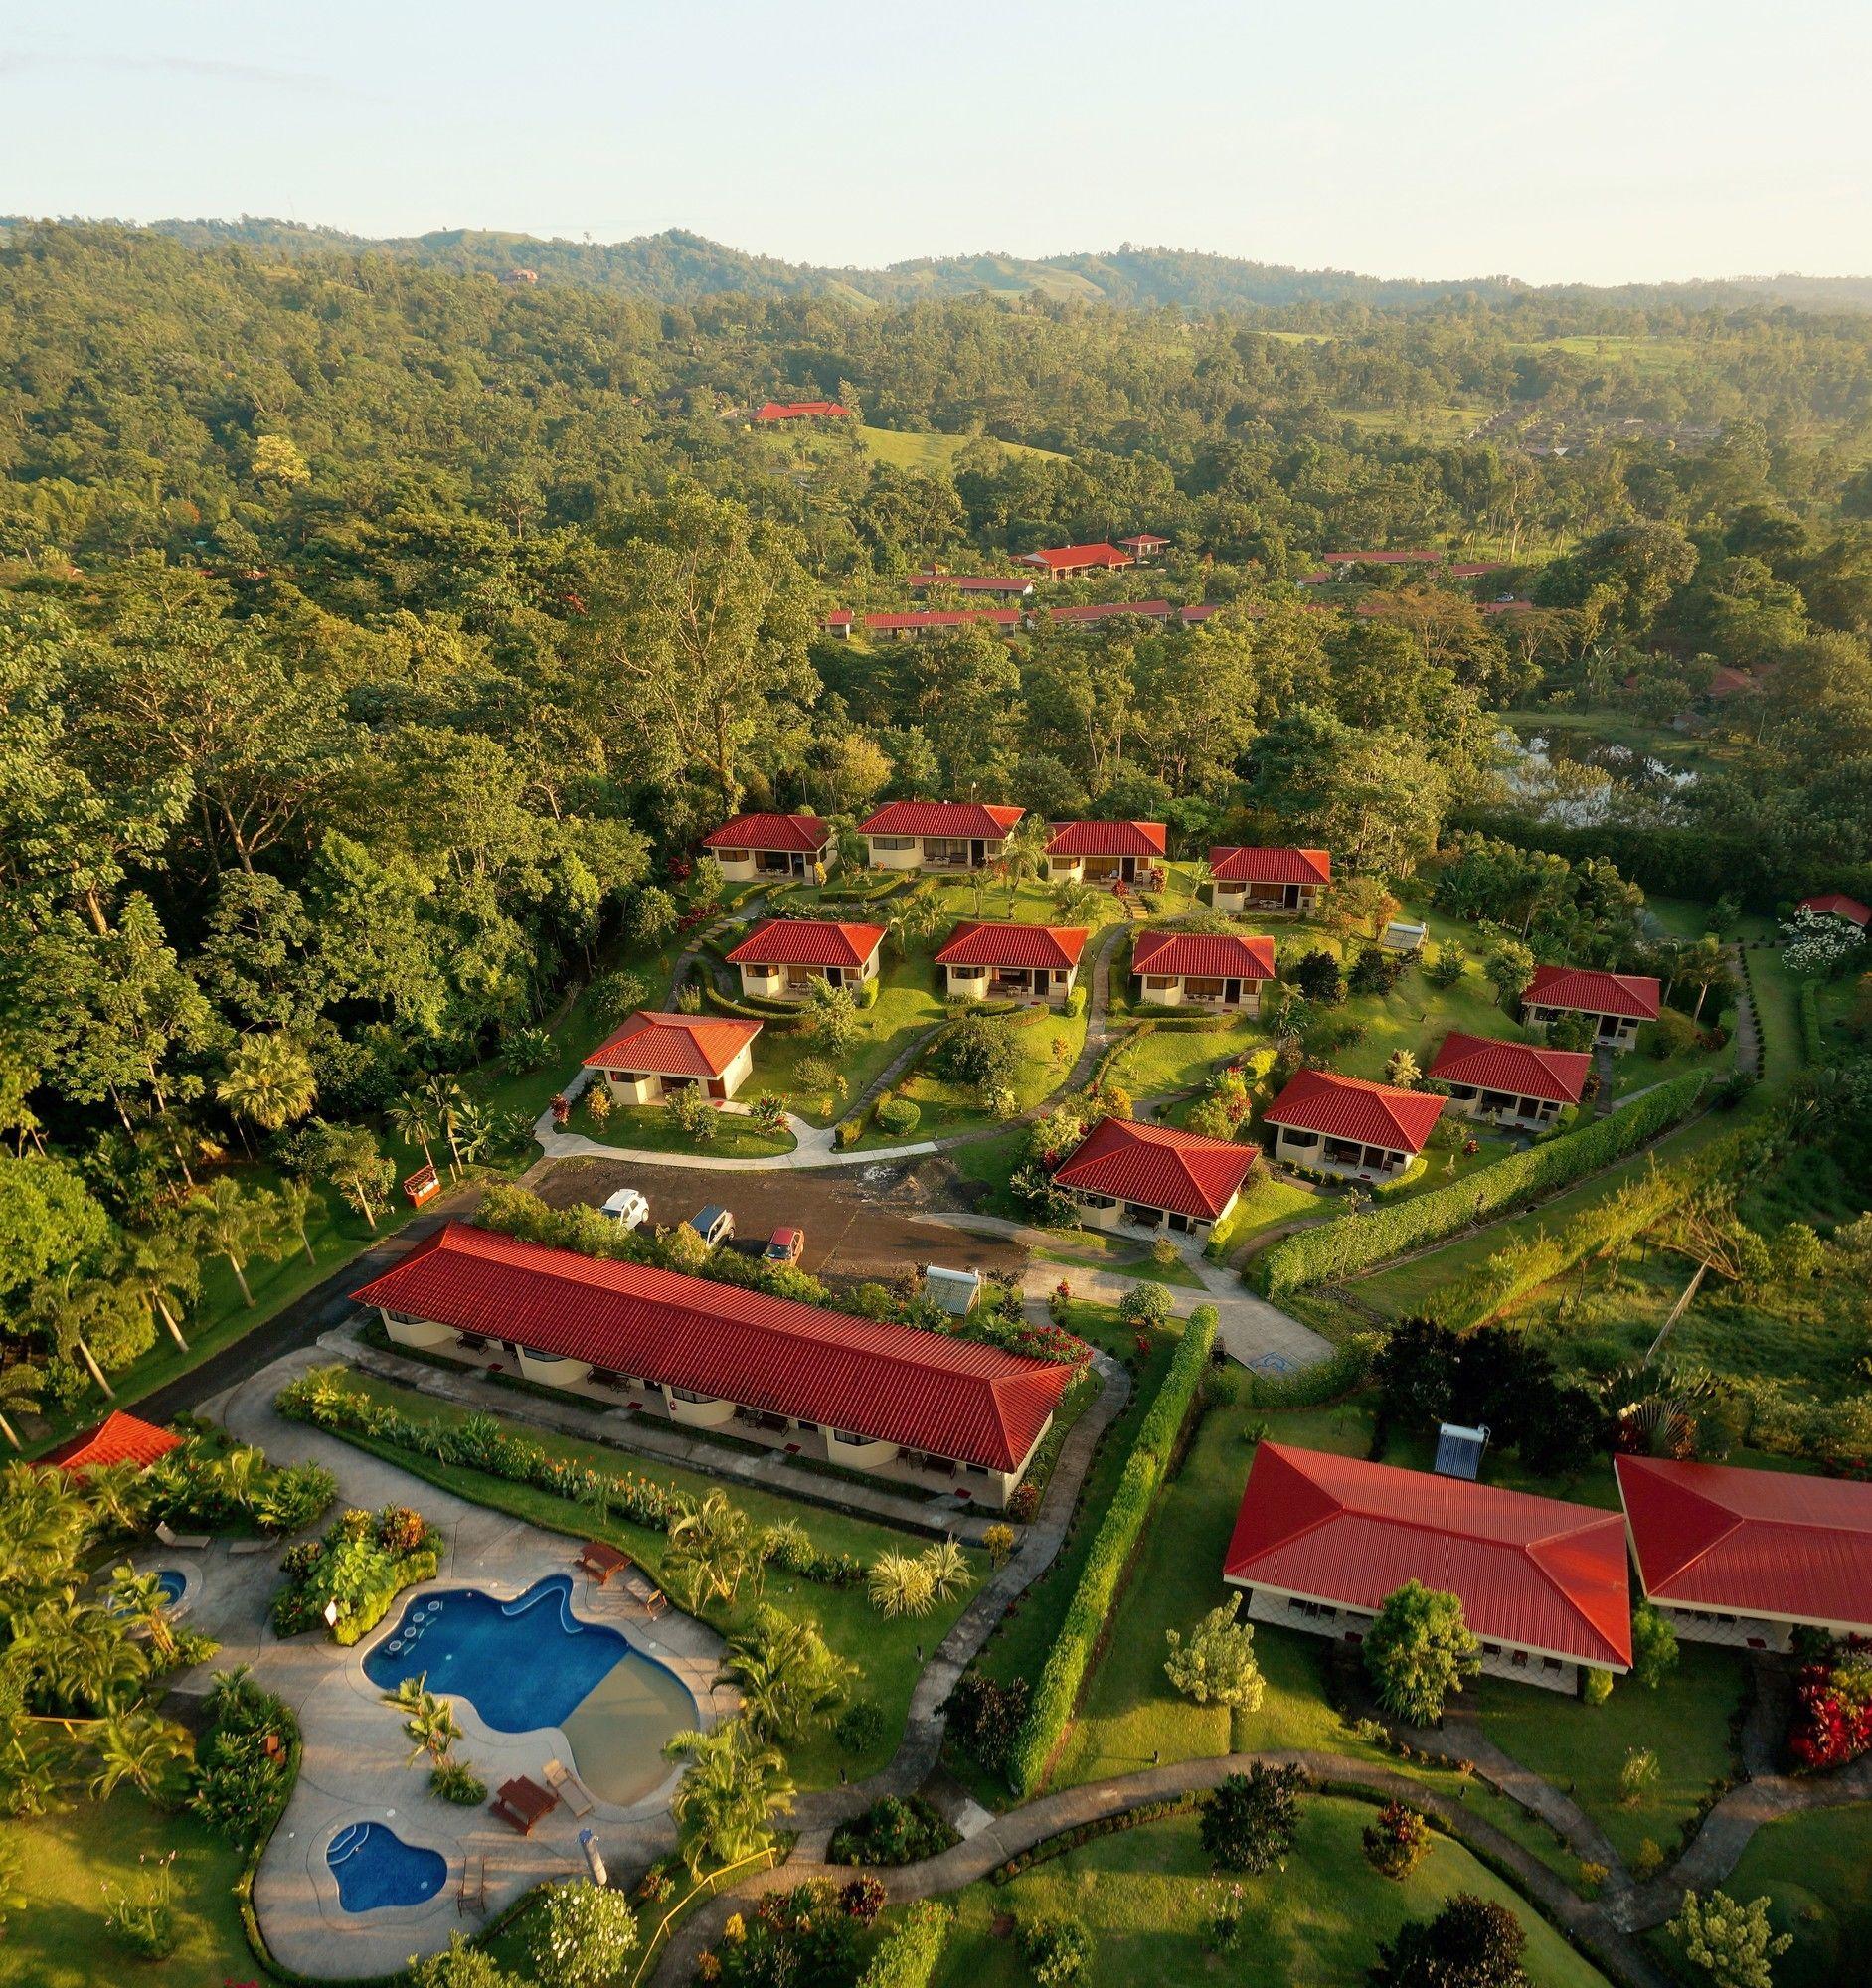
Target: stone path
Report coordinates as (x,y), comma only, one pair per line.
(1104,943)
(1748,1025)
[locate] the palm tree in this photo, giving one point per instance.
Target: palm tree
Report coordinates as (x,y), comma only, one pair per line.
(413,1119)
(137,1747)
(473,1131)
(21,1391)
(295,1198)
(44,1519)
(235,1226)
(89,1658)
(729,1795)
(446,1099)
(113,1491)
(64,1307)
(789,1678)
(430,1720)
(158,1267)
(141,1600)
(269,1082)
(711,1550)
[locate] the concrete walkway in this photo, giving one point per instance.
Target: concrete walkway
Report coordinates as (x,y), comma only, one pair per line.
(355,1750)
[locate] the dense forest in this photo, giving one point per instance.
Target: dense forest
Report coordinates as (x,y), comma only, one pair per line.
(375,635)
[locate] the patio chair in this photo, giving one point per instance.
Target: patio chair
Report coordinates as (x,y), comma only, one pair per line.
(471,1894)
(182,1542)
(568,1787)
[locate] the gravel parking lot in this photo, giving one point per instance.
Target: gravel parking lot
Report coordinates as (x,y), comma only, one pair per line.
(860,1222)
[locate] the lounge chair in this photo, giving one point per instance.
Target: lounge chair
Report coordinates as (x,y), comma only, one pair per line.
(645,1591)
(471,1894)
(568,1787)
(182,1542)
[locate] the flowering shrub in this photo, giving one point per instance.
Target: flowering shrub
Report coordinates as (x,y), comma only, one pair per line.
(1814,944)
(1832,1722)
(1396,1842)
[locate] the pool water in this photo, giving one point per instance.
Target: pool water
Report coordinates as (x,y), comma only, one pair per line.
(173,1583)
(375,1867)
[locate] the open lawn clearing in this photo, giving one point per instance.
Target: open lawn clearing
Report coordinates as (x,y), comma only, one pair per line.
(1087,1249)
(649,1128)
(935,454)
(1580,1748)
(1047,1049)
(907,1004)
(60,1941)
(1602,727)
(1777,1013)
(1648,354)
(1157,1062)
(1262,1205)
(982,1169)
(1449,424)
(1147,1896)
(887,1651)
(1814,1871)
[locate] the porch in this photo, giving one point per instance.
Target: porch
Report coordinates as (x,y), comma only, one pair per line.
(1345,1158)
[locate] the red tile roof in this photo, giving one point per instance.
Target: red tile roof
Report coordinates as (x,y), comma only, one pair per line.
(1725,682)
(794,411)
(1751,1541)
(770,831)
(1158,1167)
(941,617)
(118,1439)
(840,617)
(1203,953)
(1271,866)
(1836,903)
(1106,611)
(971,818)
(890,1382)
(1190,616)
(806,942)
(1533,1571)
(1593,992)
(972,582)
(975,944)
(1107,837)
(1145,541)
(1474,568)
(1524,1069)
(1353,1107)
(1058,557)
(1506,606)
(675,1045)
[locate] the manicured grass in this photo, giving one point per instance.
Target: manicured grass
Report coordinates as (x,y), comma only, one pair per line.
(1047,1049)
(907,1004)
(1262,1204)
(932,454)
(991,1161)
(649,1128)
(1147,1896)
(1085,1249)
(884,1650)
(1582,1748)
(1159,1061)
(1813,1869)
(60,1939)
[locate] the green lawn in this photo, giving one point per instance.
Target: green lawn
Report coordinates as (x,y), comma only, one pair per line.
(932,454)
(991,1162)
(1262,1204)
(60,1939)
(1582,1748)
(884,1650)
(649,1128)
(1813,1869)
(1159,1060)
(1145,1896)
(907,1004)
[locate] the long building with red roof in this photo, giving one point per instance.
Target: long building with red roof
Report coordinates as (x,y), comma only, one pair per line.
(772,845)
(1153,1176)
(1615,1004)
(118,1439)
(1349,1125)
(781,957)
(1064,561)
(802,411)
(921,623)
(1321,1541)
(1511,1084)
(1208,969)
(938,835)
(861,1394)
(1747,1557)
(655,1054)
(1104,852)
(1837,904)
(1269,880)
(980,960)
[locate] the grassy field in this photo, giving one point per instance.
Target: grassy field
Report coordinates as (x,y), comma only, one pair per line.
(649,1128)
(60,1939)
(1147,1896)
(884,1650)
(1811,1869)
(1262,1205)
(933,454)
(1449,423)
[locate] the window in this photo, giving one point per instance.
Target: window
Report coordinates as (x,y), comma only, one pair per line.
(850,1440)
(1159,983)
(1295,1138)
(731,854)
(893,841)
(690,1395)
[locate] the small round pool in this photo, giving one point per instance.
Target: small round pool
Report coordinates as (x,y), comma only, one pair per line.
(174,1584)
(375,1867)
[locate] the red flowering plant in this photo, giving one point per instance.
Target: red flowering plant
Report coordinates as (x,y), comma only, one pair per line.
(1832,1722)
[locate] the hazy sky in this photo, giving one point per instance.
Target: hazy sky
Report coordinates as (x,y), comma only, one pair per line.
(1591,141)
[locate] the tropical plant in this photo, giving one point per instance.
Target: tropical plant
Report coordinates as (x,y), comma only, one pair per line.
(1732,1943)
(159,1267)
(269,1082)
(297,1198)
(1472,1943)
(22,1389)
(234,1224)
(145,1924)
(141,1600)
(901,1583)
(1419,1650)
(730,1792)
(789,1678)
(1217,1665)
(1396,1841)
(712,1549)
(135,1748)
(1246,1822)
(411,1117)
(578,1933)
(1056,1951)
(429,1720)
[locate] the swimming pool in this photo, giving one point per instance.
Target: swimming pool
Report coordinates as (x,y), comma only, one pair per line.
(174,1584)
(375,1867)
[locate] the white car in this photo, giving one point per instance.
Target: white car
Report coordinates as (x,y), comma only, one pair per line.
(629,1207)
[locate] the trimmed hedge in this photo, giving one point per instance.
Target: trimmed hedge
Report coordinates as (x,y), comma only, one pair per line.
(1352,1241)
(1811,1044)
(907,1958)
(781,1016)
(1057,1692)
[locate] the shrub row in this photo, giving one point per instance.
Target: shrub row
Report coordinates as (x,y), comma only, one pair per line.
(1086,1615)
(478,1443)
(1088,1832)
(907,1958)
(1811,1046)
(1351,1243)
(778,1016)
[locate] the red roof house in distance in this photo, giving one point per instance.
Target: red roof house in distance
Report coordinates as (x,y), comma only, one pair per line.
(1144,544)
(1104,852)
(938,835)
(1837,904)
(981,960)
(802,411)
(1321,1541)
(1745,1557)
(1153,1177)
(654,1054)
(771,845)
(1615,1003)
(1350,1126)
(1110,611)
(1269,880)
(781,957)
(921,623)
(1384,559)
(1512,1083)
(1063,562)
(1216,969)
(912,1404)
(118,1439)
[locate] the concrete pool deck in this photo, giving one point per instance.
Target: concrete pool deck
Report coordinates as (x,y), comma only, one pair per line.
(355,1748)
